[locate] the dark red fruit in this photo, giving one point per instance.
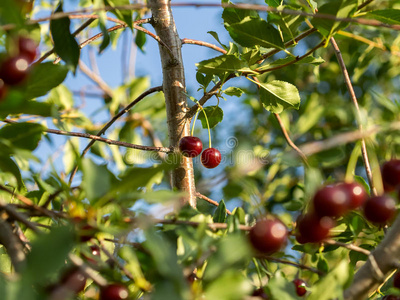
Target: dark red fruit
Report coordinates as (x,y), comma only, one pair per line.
(95,250)
(190,146)
(27,47)
(391,297)
(356,193)
(74,280)
(396,280)
(115,291)
(300,287)
(379,209)
(14,70)
(313,229)
(260,293)
(3,90)
(268,236)
(391,174)
(86,233)
(211,158)
(331,201)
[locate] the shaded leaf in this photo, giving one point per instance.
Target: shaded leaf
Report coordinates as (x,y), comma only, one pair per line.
(214,115)
(233,91)
(65,44)
(252,32)
(23,135)
(220,213)
(222,64)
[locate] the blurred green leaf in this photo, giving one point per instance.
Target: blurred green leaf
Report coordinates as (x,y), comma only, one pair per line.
(388,16)
(231,285)
(214,115)
(276,96)
(23,135)
(65,44)
(280,288)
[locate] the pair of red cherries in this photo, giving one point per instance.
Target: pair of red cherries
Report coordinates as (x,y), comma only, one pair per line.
(191,146)
(15,69)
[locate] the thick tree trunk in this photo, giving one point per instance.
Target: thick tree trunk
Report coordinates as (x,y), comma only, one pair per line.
(173,86)
(378,266)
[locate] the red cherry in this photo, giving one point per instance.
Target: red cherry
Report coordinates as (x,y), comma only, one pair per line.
(356,193)
(95,250)
(115,291)
(74,280)
(260,293)
(331,201)
(379,209)
(211,158)
(190,146)
(86,233)
(27,47)
(268,236)
(3,90)
(313,229)
(14,70)
(391,174)
(300,287)
(396,280)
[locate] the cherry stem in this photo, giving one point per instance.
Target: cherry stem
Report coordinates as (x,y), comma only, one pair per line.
(208,124)
(194,121)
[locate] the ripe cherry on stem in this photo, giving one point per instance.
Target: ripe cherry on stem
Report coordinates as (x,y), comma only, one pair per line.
(379,209)
(74,280)
(391,174)
(28,48)
(190,146)
(14,70)
(211,158)
(115,291)
(356,193)
(331,201)
(312,228)
(268,236)
(300,287)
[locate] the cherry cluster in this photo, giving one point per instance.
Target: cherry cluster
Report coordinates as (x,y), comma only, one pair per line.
(191,146)
(14,69)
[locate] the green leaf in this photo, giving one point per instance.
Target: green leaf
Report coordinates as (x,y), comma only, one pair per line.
(276,96)
(23,135)
(338,8)
(9,166)
(216,37)
(106,36)
(280,288)
(231,285)
(255,32)
(140,40)
(273,3)
(123,15)
(220,213)
(43,78)
(331,286)
(233,15)
(10,13)
(233,91)
(49,252)
(96,180)
(65,44)
(388,16)
(222,64)
(316,61)
(214,115)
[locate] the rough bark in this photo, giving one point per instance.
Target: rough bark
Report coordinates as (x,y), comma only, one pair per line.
(378,266)
(182,178)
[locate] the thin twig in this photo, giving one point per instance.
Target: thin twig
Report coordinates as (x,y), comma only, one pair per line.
(213,226)
(112,121)
(297,265)
(361,21)
(358,114)
(205,44)
(13,245)
(289,141)
(347,246)
(88,271)
(96,78)
(201,196)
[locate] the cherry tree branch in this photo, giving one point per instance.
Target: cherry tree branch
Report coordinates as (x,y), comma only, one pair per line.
(291,263)
(204,44)
(112,121)
(358,114)
(201,196)
(96,78)
(13,245)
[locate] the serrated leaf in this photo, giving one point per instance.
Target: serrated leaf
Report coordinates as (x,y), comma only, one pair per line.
(252,32)
(220,213)
(65,45)
(23,135)
(340,9)
(389,16)
(227,63)
(233,91)
(276,96)
(214,115)
(43,78)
